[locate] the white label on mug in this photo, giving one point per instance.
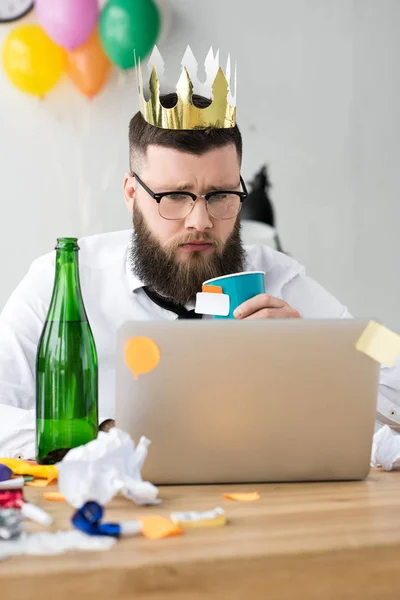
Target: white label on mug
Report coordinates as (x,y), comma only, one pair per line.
(208,303)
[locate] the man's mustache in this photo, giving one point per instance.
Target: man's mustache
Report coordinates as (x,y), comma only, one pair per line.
(191,238)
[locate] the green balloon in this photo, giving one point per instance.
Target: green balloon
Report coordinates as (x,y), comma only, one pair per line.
(128,26)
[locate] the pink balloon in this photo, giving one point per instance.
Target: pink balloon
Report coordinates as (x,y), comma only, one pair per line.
(69,23)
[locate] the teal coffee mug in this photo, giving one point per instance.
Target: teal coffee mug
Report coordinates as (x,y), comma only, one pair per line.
(239,287)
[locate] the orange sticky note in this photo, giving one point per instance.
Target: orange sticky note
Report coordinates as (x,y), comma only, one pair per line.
(40,482)
(142,355)
(156,528)
(212,289)
(54,496)
(243,497)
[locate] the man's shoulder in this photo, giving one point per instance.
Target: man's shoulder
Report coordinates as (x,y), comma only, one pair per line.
(276,265)
(96,251)
(99,251)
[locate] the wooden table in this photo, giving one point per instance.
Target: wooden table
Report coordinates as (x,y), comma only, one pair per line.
(300,541)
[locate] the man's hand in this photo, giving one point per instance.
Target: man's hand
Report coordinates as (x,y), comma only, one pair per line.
(264,306)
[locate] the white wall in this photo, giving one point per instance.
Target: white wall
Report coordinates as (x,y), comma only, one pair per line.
(318,101)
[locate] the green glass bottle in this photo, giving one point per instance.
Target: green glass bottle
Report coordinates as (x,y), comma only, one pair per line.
(66,365)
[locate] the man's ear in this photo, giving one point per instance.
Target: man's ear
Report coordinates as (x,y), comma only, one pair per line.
(129,191)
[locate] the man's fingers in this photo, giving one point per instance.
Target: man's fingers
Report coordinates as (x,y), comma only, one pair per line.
(271,313)
(259,302)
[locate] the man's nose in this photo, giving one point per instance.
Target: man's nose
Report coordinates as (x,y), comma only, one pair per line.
(199,218)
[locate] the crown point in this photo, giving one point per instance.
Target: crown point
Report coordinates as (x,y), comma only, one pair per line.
(188,54)
(156,60)
(211,67)
(153,75)
(139,77)
(155,56)
(210,55)
(190,63)
(154,84)
(184,87)
(232,89)
(228,69)
(220,84)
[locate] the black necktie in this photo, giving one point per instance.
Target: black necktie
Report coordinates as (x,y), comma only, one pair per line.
(178,309)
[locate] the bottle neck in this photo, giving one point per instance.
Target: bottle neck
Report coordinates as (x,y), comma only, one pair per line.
(67,302)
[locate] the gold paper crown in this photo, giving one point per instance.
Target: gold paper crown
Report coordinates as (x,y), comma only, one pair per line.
(185,115)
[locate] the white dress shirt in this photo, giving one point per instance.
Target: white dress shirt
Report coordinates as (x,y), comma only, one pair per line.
(113,295)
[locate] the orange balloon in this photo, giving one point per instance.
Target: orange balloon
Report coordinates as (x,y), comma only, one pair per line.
(88,66)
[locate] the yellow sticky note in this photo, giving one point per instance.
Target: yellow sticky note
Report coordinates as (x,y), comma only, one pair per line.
(216,522)
(243,496)
(209,518)
(156,528)
(54,496)
(379,343)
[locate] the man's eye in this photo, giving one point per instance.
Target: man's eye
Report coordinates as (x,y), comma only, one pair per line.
(220,196)
(178,197)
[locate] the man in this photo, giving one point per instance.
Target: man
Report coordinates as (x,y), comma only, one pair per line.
(184,191)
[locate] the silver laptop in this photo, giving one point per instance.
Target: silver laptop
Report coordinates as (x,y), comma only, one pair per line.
(251,401)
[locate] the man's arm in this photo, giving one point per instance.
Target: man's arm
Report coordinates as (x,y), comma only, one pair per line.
(21,324)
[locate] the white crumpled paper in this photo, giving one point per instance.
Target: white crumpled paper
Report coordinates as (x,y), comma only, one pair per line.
(104,467)
(46,543)
(386,449)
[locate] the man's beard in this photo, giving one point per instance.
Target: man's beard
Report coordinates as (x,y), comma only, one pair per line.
(159,269)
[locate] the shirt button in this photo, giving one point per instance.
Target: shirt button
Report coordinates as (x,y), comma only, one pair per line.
(19,456)
(393,412)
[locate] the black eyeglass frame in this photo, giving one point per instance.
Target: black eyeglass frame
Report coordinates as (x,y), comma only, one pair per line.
(160,195)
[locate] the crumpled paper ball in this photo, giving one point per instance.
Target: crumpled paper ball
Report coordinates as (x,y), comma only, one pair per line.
(104,467)
(386,449)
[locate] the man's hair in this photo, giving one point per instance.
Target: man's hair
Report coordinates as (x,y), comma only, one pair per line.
(193,141)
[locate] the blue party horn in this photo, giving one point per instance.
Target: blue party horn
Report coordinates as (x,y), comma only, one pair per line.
(88,519)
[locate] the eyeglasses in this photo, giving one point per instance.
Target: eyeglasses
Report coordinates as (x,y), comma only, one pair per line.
(173,206)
